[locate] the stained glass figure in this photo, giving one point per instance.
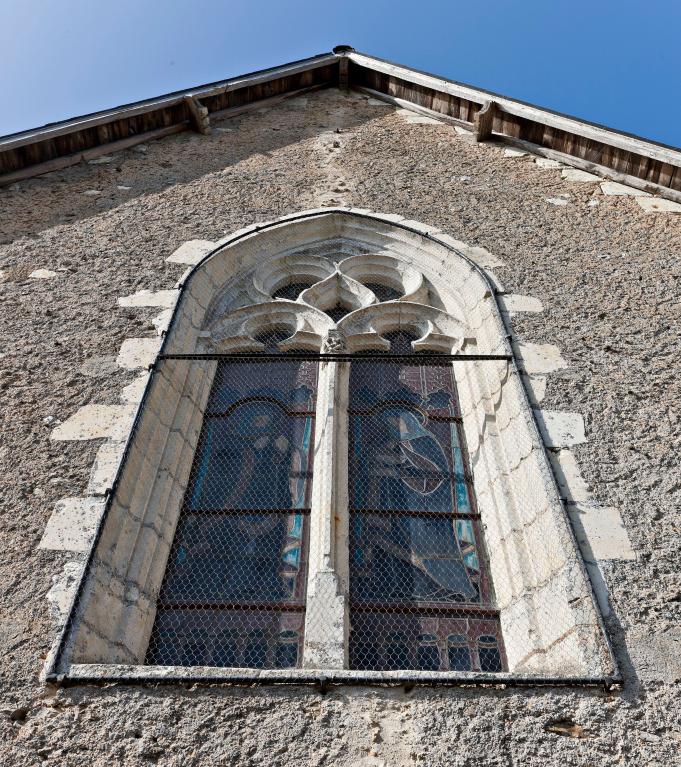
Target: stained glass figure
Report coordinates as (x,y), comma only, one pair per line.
(234,588)
(416,544)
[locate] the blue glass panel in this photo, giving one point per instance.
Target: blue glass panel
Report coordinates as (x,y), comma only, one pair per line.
(466,536)
(427,387)
(291,384)
(236,558)
(402,558)
(255,458)
(428,658)
(287,655)
(403,461)
(255,652)
(459,658)
(488,651)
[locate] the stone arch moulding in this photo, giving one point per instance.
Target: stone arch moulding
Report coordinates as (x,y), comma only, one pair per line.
(552,627)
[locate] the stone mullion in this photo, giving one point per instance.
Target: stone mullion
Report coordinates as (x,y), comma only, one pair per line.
(327,619)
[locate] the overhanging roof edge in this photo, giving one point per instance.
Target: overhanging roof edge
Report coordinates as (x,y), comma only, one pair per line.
(644,163)
(471,91)
(49,130)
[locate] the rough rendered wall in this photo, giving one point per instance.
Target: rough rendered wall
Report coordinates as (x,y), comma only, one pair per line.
(608,277)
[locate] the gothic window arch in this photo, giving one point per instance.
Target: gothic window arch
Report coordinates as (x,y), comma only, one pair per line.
(335,469)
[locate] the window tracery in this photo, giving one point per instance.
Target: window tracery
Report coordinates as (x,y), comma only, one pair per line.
(416,457)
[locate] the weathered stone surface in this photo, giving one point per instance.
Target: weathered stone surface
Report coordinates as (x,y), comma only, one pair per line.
(536,387)
(162,320)
(571,483)
(138,352)
(560,428)
(514,303)
(544,162)
(579,176)
(614,319)
(414,118)
(99,367)
(191,252)
(105,466)
(105,159)
(601,530)
(658,205)
(63,589)
(133,392)
(478,254)
(94,422)
(613,188)
(540,358)
(72,524)
(162,298)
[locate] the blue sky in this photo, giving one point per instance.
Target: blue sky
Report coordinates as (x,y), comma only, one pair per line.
(615,62)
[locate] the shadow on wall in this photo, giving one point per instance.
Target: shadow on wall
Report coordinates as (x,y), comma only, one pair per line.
(92,188)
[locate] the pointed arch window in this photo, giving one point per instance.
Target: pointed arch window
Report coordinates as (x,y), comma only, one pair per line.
(335,470)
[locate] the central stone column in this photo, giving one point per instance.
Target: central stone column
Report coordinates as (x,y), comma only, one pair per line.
(326,621)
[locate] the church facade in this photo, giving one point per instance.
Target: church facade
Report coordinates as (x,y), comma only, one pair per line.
(341,428)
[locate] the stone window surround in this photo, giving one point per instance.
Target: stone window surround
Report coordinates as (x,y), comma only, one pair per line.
(498,423)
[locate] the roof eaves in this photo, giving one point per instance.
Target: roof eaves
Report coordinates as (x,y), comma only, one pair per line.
(51,130)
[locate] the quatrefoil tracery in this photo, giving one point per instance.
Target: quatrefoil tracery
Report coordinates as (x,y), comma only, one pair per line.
(359,298)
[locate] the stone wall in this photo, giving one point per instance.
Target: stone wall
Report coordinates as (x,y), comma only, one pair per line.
(604,266)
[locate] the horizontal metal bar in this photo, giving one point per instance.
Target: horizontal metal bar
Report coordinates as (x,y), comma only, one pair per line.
(421,513)
(187,510)
(232,408)
(378,356)
(364,412)
(422,609)
(264,606)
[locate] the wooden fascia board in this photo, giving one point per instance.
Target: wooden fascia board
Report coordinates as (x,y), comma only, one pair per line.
(163,102)
(527,111)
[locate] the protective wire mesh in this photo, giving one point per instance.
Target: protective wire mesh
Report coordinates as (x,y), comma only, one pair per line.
(420,594)
(292,290)
(234,591)
(235,583)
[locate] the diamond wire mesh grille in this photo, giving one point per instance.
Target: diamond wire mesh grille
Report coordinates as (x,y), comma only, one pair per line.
(292,290)
(420,595)
(234,591)
(383,292)
(234,588)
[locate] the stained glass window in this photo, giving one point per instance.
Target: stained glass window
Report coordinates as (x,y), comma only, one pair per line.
(234,588)
(417,564)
